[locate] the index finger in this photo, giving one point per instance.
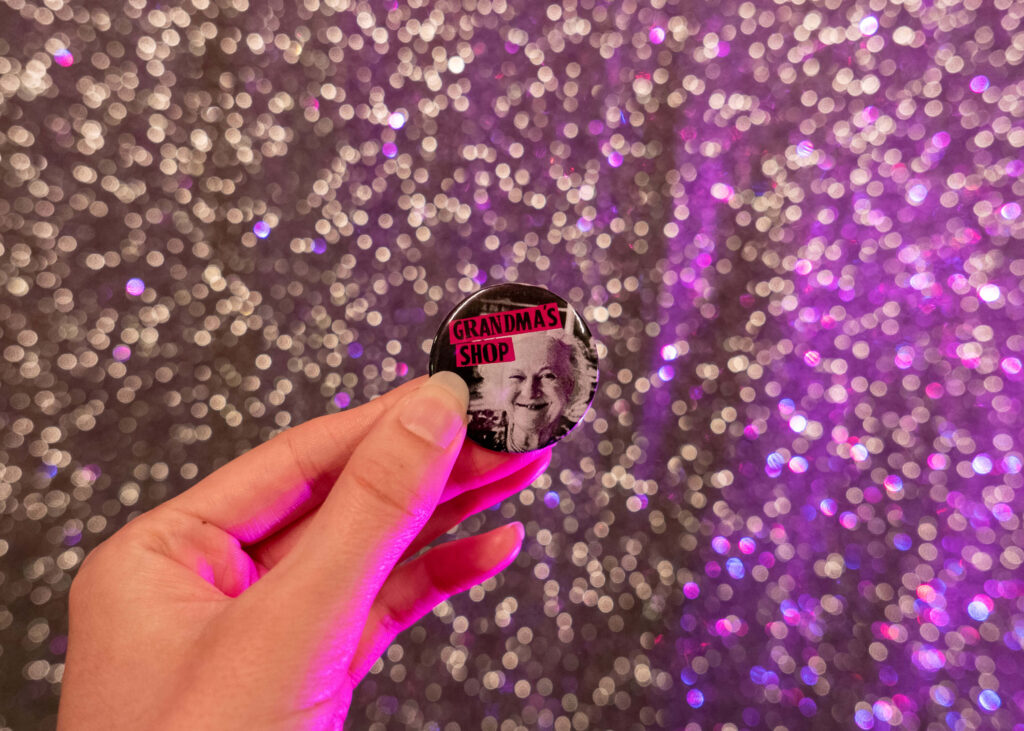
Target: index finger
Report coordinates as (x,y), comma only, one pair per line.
(279,481)
(276,483)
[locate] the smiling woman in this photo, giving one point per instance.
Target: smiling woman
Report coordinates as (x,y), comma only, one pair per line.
(535,392)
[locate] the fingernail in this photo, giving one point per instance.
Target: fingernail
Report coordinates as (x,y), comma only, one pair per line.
(511,540)
(518,531)
(437,411)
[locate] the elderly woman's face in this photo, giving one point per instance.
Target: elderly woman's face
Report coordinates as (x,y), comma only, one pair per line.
(539,383)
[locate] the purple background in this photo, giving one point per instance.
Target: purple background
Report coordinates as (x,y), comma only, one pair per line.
(795,229)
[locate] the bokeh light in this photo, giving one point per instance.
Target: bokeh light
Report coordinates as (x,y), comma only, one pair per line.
(868,25)
(989,292)
(989,700)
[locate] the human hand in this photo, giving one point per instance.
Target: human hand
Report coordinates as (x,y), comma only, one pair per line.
(260,597)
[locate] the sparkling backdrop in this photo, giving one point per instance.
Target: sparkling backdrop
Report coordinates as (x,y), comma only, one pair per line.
(796,229)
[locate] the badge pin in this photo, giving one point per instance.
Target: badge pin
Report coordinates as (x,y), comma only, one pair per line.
(529,362)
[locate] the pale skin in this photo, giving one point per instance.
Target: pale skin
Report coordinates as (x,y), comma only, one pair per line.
(260,597)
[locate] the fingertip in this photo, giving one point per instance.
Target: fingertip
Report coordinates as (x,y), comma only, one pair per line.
(510,541)
(436,412)
(491,551)
(453,384)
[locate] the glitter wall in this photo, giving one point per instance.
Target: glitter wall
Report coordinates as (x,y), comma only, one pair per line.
(795,228)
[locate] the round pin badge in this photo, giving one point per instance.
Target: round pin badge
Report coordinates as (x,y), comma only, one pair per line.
(527,357)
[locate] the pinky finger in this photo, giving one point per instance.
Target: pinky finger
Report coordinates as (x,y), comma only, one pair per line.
(417,586)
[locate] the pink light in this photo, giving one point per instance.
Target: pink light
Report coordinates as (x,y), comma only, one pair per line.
(904,357)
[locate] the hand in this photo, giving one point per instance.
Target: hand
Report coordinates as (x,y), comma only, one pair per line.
(260,597)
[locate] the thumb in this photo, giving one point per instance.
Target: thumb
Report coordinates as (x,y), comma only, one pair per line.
(381,500)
